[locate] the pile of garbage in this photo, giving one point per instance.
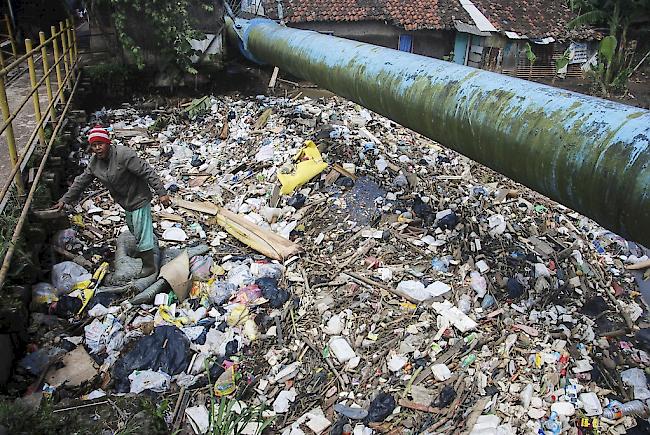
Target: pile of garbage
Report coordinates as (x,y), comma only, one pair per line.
(325,270)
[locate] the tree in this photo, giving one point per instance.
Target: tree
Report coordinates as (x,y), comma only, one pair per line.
(169,23)
(615,55)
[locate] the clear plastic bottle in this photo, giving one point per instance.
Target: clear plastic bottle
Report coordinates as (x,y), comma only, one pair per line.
(553,424)
(617,410)
(465,304)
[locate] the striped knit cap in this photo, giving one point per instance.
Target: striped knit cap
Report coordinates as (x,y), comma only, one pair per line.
(98,134)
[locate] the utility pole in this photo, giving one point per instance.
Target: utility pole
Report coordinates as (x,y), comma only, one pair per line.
(280,11)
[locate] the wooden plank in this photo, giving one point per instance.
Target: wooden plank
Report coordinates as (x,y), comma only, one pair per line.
(638,266)
(264,241)
(274,77)
(202,207)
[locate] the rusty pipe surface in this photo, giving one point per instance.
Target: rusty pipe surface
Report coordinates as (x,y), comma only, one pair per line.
(589,154)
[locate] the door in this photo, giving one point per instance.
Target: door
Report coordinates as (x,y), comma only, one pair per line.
(460,47)
(405,43)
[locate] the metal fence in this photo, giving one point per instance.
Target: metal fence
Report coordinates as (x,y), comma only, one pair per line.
(59,81)
(7,40)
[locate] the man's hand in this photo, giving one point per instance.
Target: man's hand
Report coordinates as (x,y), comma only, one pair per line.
(165,200)
(59,206)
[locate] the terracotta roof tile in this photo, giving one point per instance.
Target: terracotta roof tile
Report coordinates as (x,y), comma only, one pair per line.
(409,14)
(533,18)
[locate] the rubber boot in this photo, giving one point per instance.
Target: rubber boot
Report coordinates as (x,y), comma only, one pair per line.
(148,263)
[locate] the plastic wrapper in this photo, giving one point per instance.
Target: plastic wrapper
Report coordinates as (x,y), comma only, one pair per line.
(66,274)
(44,293)
(240,276)
(142,380)
(267,270)
(310,164)
(248,295)
(200,266)
(277,296)
(220,292)
(65,238)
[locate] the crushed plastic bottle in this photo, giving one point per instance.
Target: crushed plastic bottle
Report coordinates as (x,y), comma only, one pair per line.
(552,425)
(478,284)
(616,410)
(465,304)
(488,301)
(468,360)
(440,264)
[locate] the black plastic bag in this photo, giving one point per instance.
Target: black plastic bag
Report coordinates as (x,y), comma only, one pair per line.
(446,396)
(297,200)
(148,353)
(381,407)
(277,296)
(448,222)
(515,288)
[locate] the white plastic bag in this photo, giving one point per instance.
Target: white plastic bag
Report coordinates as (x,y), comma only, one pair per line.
(149,380)
(65,275)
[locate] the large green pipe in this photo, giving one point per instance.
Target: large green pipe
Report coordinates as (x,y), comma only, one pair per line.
(589,154)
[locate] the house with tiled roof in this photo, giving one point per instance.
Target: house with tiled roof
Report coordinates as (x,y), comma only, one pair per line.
(489,34)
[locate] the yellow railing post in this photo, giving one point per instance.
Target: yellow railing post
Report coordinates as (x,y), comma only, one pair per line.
(9,134)
(68,32)
(2,59)
(59,79)
(64,49)
(35,98)
(10,32)
(48,81)
(74,41)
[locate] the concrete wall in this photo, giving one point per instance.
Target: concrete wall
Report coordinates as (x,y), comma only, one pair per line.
(432,43)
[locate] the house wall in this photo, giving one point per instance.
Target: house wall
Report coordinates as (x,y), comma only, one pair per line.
(432,43)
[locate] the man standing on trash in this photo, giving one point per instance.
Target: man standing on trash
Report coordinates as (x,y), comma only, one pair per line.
(128,178)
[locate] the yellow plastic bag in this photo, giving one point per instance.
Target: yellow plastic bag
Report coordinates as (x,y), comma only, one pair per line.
(310,163)
(85,290)
(166,314)
(238,316)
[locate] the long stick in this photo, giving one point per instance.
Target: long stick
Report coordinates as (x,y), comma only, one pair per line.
(23,215)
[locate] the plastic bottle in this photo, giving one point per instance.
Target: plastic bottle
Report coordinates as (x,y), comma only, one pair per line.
(478,284)
(440,264)
(488,301)
(468,360)
(617,410)
(465,304)
(553,425)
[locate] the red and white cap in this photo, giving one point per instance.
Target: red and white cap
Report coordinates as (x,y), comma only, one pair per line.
(98,134)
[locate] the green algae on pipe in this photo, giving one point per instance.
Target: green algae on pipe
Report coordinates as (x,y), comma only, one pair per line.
(589,154)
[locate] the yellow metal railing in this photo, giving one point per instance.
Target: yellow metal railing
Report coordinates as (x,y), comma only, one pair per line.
(61,48)
(7,39)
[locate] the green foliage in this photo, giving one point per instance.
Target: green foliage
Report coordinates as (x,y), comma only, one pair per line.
(233,416)
(112,78)
(230,417)
(20,419)
(615,56)
(607,48)
(198,107)
(563,61)
(532,58)
(168,22)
